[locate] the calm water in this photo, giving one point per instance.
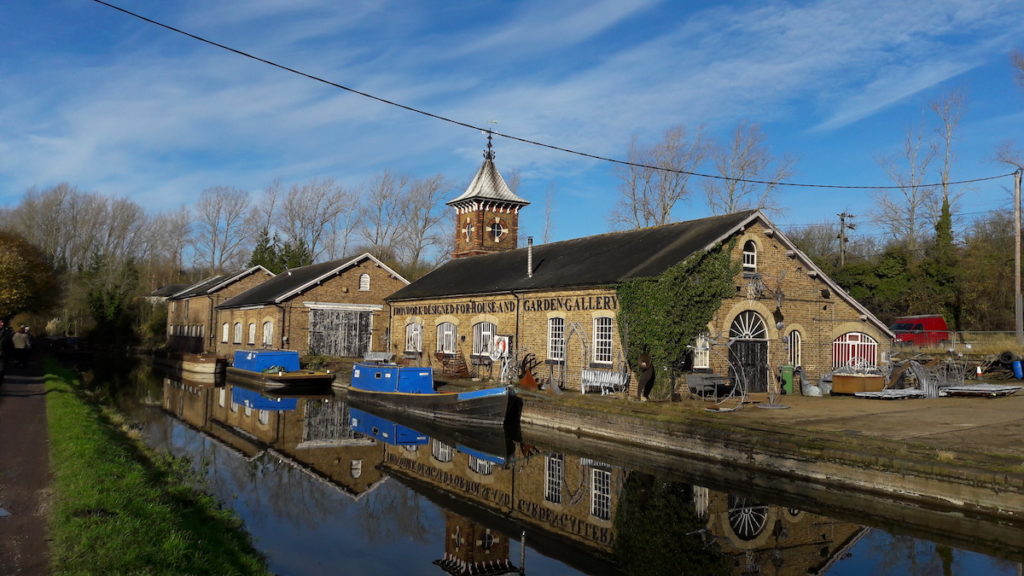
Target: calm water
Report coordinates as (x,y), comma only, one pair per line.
(325,488)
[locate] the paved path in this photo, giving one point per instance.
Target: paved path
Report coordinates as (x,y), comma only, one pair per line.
(24,474)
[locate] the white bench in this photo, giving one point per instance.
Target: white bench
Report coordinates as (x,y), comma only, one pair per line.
(603,381)
(379,357)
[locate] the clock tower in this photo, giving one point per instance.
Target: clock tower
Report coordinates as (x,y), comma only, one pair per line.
(487,213)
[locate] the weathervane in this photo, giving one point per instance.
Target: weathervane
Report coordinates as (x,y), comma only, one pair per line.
(489,154)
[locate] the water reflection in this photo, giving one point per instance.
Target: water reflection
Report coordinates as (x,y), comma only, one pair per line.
(328,487)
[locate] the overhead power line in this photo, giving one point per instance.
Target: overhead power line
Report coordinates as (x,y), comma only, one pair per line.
(520,139)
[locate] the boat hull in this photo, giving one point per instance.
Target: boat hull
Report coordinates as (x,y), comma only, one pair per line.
(490,408)
(277,380)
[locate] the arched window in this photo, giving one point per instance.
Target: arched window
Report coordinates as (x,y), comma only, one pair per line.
(748,325)
(364,282)
(749,257)
(854,349)
(440,451)
(702,352)
(795,342)
(238,333)
(413,337)
(556,338)
(225,331)
(268,334)
(446,338)
(252,333)
(496,230)
(483,338)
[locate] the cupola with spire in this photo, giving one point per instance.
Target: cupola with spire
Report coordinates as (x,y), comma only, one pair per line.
(487,213)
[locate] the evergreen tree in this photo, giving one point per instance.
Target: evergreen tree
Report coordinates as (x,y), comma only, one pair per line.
(941,268)
(265,253)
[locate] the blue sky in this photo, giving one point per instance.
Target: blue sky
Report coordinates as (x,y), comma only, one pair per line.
(118,106)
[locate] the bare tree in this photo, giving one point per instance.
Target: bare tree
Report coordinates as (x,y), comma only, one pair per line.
(220,226)
(739,164)
(949,109)
(549,208)
(308,211)
(904,213)
(647,194)
(424,215)
(382,220)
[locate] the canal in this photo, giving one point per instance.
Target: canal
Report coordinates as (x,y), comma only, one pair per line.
(327,488)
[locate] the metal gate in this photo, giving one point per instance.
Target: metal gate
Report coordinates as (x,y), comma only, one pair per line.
(343,333)
(748,351)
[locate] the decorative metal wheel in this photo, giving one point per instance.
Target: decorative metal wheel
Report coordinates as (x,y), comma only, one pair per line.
(748,326)
(747,517)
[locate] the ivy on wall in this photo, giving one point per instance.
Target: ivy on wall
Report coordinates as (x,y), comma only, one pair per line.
(662,316)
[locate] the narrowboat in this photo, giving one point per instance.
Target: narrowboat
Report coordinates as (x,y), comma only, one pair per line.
(275,369)
(410,390)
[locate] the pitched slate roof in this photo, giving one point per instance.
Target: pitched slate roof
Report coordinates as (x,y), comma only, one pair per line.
(297,280)
(214,283)
(600,260)
(168,290)
(488,185)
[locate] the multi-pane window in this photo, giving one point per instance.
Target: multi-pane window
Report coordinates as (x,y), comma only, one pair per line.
(483,338)
(854,349)
(238,333)
(441,451)
(702,352)
(252,333)
(413,337)
(601,493)
(268,334)
(794,348)
(603,340)
(553,478)
(446,338)
(749,257)
(480,466)
(556,339)
(364,282)
(224,332)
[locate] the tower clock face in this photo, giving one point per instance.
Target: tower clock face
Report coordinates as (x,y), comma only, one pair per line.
(497,230)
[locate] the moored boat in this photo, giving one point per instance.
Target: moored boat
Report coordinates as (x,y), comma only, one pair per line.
(410,390)
(275,369)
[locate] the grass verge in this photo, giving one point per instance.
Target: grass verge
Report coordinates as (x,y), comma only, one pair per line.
(119,509)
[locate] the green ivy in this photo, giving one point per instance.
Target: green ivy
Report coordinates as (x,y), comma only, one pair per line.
(662,316)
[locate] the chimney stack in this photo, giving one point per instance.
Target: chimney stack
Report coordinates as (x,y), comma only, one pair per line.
(529,256)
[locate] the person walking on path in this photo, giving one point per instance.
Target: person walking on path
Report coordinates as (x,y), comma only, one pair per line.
(21,346)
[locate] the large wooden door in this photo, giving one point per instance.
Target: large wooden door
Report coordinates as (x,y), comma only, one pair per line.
(748,351)
(344,333)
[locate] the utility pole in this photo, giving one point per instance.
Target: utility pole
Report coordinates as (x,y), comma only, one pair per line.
(843,226)
(1017,299)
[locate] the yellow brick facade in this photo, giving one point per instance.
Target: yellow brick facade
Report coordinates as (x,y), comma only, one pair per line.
(191,322)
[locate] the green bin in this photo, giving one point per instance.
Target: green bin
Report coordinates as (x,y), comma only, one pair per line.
(787,378)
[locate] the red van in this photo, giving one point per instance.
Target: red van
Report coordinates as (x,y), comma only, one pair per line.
(925,330)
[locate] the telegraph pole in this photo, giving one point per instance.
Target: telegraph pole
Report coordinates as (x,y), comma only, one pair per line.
(1017,299)
(843,226)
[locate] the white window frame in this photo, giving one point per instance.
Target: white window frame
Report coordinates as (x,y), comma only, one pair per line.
(446,337)
(795,344)
(702,352)
(268,334)
(238,333)
(414,337)
(603,329)
(252,333)
(480,466)
(364,282)
(556,338)
(553,478)
(483,338)
(225,332)
(601,493)
(852,347)
(440,451)
(750,257)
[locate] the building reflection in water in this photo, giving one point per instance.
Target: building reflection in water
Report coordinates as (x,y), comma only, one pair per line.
(598,517)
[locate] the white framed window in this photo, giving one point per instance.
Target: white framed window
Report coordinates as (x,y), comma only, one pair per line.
(603,340)
(268,334)
(364,282)
(601,493)
(553,478)
(483,338)
(749,257)
(446,338)
(238,333)
(556,338)
(480,466)
(854,349)
(224,332)
(221,398)
(440,451)
(356,468)
(702,352)
(795,342)
(413,337)
(263,416)
(252,333)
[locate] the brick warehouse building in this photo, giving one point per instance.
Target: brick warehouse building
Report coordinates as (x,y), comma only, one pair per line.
(332,308)
(558,301)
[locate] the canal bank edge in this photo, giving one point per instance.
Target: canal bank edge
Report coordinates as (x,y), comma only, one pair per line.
(990,484)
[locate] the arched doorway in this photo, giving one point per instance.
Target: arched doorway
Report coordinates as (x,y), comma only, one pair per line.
(748,351)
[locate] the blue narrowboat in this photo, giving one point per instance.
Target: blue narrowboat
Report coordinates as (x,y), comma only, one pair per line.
(275,369)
